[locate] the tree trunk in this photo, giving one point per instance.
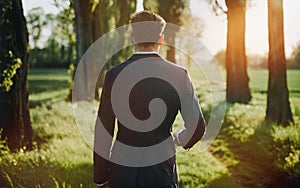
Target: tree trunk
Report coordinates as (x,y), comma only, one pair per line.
(100,26)
(102,15)
(237,89)
(278,105)
(83,23)
(92,25)
(170,38)
(126,8)
(14,108)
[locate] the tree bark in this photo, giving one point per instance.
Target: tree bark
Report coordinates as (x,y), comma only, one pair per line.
(278,105)
(14,108)
(237,89)
(170,38)
(83,23)
(99,28)
(101,18)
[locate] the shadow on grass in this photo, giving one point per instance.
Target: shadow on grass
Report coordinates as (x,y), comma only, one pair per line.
(225,182)
(40,137)
(44,85)
(254,162)
(47,101)
(44,174)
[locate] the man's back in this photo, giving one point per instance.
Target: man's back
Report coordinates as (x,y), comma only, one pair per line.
(143,92)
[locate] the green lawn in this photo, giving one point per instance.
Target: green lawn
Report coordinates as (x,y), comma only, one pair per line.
(246,153)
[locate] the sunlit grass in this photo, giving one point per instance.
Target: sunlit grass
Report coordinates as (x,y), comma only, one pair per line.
(245,150)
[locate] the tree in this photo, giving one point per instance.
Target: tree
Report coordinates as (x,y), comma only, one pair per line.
(14,108)
(237,89)
(83,25)
(95,18)
(103,16)
(294,61)
(171,11)
(64,29)
(35,22)
(58,51)
(185,39)
(220,56)
(83,20)
(278,105)
(100,27)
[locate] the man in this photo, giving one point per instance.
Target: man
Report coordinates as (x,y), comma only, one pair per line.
(150,169)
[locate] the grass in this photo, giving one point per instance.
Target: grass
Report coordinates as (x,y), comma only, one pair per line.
(246,153)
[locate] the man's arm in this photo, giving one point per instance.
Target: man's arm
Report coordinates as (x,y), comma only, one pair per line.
(194,122)
(104,126)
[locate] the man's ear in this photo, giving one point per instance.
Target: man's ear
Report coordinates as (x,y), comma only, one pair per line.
(161,39)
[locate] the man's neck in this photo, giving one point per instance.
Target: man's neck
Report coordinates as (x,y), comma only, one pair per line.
(149,49)
(154,51)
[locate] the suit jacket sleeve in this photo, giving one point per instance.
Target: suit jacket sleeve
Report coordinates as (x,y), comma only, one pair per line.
(104,126)
(194,122)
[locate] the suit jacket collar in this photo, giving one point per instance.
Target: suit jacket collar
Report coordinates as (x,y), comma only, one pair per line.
(138,56)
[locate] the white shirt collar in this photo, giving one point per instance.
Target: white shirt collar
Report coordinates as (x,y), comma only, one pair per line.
(145,52)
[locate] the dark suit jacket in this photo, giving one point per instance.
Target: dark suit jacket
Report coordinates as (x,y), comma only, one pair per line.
(164,173)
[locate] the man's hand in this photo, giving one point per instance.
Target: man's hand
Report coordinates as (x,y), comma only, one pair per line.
(175,140)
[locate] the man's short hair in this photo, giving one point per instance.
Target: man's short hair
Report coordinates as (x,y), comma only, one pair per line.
(148,32)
